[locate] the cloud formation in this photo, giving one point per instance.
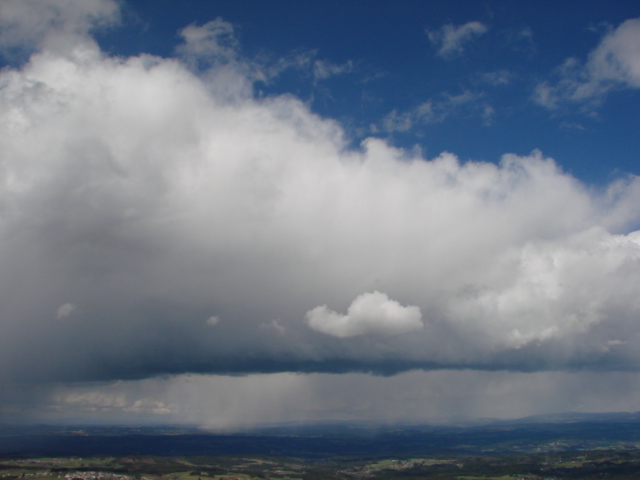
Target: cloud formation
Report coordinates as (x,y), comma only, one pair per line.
(232,402)
(450,40)
(53,24)
(213,41)
(613,64)
(369,313)
(65,310)
(155,197)
(438,110)
(214,45)
(323,69)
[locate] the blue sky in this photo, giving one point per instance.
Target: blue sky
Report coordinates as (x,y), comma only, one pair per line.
(394,66)
(238,213)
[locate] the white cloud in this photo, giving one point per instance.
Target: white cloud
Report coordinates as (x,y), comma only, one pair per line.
(65,310)
(152,202)
(323,69)
(554,290)
(450,40)
(437,110)
(617,58)
(154,196)
(52,24)
(213,320)
(369,313)
(213,41)
(214,45)
(396,121)
(614,64)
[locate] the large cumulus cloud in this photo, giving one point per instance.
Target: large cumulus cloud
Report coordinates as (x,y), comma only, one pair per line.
(140,200)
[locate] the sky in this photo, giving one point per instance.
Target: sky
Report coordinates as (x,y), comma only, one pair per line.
(234,213)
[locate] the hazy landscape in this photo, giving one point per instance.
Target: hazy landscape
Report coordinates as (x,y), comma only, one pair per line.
(565,446)
(562,433)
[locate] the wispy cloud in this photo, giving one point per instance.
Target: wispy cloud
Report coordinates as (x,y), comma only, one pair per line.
(323,69)
(437,110)
(65,310)
(211,42)
(520,39)
(614,64)
(498,78)
(215,45)
(449,40)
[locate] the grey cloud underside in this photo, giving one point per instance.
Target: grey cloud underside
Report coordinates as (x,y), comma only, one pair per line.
(138,200)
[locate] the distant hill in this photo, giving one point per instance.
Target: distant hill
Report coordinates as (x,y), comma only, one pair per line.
(549,433)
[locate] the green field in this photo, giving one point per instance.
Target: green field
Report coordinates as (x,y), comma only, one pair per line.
(610,464)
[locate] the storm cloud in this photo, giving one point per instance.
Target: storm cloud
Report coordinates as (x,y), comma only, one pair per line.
(156,219)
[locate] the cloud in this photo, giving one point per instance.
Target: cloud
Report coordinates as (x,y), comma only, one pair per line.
(157,194)
(65,310)
(107,402)
(617,58)
(274,326)
(323,69)
(213,41)
(498,78)
(215,45)
(613,64)
(234,402)
(537,305)
(369,313)
(437,110)
(520,40)
(52,24)
(450,40)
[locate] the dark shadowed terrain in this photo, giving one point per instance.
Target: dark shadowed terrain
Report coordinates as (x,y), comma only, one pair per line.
(558,447)
(562,433)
